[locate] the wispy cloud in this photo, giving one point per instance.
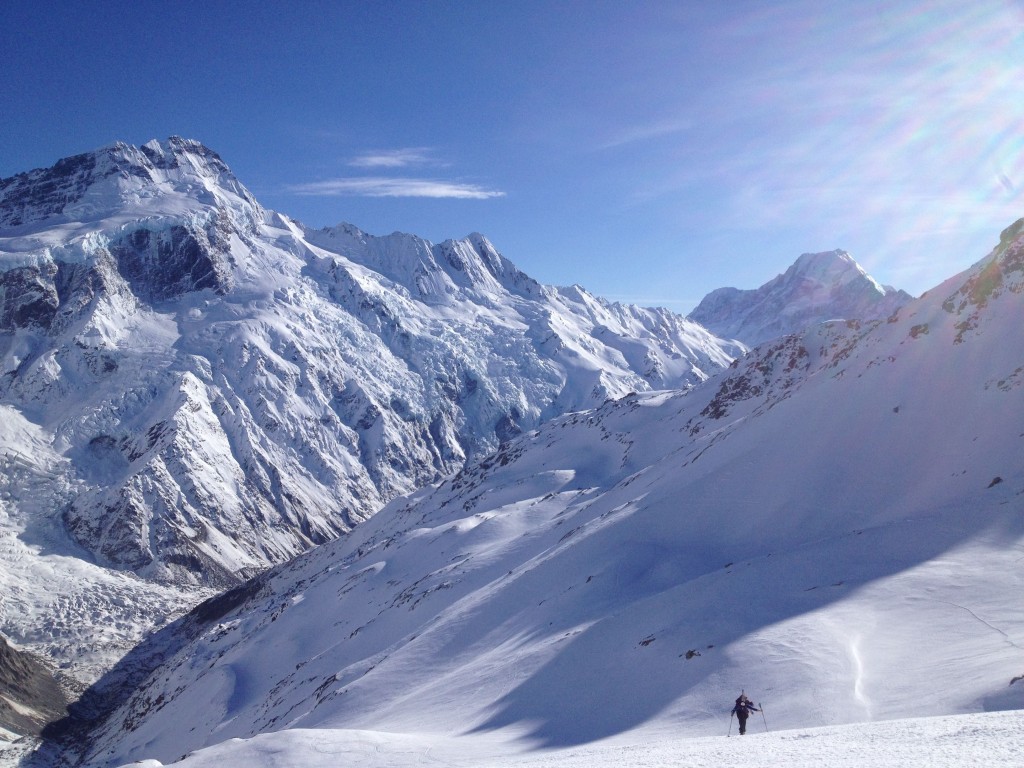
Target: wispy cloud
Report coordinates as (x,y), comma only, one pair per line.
(654,130)
(394,158)
(379,186)
(386,160)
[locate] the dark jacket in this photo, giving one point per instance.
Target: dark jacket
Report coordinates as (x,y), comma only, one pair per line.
(743,708)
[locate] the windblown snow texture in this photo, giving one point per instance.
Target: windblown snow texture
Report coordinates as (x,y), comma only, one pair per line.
(833,524)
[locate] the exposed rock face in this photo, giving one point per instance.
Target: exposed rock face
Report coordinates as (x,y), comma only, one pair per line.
(164,265)
(30,696)
(818,287)
(41,194)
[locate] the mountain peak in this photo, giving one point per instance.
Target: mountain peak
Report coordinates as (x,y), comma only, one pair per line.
(817,287)
(115,178)
(826,265)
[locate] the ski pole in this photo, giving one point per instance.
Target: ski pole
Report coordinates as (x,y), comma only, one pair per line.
(730,725)
(759,704)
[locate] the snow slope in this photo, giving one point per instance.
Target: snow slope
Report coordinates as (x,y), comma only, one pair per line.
(816,288)
(194,387)
(833,524)
(995,738)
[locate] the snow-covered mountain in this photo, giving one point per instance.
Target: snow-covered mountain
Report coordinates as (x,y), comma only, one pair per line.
(193,387)
(817,288)
(834,524)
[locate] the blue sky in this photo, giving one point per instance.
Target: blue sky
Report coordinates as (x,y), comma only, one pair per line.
(649,151)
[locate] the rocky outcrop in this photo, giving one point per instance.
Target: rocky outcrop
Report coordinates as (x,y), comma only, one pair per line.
(30,696)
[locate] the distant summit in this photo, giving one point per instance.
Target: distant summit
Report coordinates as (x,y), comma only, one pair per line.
(818,287)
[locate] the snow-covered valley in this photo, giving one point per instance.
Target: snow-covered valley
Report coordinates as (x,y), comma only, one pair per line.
(832,522)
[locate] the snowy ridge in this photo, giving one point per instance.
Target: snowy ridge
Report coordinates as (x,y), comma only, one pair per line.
(832,524)
(210,388)
(435,274)
(816,288)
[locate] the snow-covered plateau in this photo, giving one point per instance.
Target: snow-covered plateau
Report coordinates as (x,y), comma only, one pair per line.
(832,522)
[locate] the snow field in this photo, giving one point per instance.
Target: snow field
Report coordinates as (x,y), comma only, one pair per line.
(993,738)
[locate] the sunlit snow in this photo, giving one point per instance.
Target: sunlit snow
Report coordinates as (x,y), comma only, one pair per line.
(995,738)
